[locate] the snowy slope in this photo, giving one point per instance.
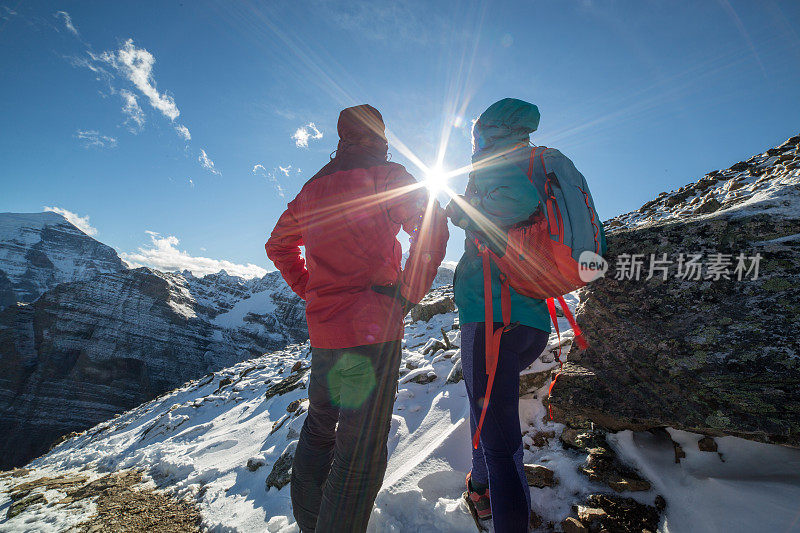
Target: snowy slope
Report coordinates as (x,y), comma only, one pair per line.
(764,183)
(196,443)
(747,486)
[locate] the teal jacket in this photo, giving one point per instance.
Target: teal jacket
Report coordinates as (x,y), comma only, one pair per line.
(498,196)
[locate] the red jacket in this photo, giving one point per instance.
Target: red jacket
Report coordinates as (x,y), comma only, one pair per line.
(348,217)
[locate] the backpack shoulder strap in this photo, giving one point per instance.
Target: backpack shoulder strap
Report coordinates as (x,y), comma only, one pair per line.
(541,160)
(552,210)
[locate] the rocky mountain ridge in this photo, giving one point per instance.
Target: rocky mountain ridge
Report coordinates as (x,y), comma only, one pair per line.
(83,337)
(745,186)
(709,349)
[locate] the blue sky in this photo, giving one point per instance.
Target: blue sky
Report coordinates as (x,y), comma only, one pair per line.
(181,129)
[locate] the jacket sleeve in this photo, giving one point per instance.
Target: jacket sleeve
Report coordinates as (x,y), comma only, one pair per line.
(283,249)
(408,205)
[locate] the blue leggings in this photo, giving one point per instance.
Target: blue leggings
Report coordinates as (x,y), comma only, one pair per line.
(498,459)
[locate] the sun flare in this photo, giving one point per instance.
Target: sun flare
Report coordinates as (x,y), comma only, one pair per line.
(436,179)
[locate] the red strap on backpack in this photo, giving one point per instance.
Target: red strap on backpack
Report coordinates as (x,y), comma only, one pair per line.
(493,337)
(579,338)
(554,219)
(551,307)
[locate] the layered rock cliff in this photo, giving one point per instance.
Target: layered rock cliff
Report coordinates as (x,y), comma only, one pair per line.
(83,338)
(711,350)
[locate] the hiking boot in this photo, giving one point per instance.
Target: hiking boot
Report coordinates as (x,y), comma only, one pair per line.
(480,500)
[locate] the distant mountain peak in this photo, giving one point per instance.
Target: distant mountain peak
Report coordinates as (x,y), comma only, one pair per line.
(41,250)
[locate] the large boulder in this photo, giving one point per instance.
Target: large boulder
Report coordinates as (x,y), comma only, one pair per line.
(437,302)
(714,356)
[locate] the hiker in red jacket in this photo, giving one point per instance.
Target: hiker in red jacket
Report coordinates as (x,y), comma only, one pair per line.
(347,216)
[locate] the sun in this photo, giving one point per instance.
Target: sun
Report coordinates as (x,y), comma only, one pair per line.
(436,178)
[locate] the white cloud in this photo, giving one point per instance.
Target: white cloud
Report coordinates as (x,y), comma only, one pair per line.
(304,133)
(7,13)
(92,64)
(259,170)
(67,21)
(285,113)
(162,253)
(94,138)
(136,64)
(275,183)
(207,163)
(133,111)
(82,223)
(183,131)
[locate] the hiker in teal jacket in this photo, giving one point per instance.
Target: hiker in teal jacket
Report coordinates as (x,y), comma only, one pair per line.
(498,196)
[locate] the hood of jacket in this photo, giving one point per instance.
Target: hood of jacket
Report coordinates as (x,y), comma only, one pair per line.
(506,122)
(361,130)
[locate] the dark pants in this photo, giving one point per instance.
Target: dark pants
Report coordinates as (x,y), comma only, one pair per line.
(337,472)
(500,449)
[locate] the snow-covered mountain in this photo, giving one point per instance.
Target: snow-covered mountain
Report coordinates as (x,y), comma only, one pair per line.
(223,444)
(82,337)
(766,183)
(40,250)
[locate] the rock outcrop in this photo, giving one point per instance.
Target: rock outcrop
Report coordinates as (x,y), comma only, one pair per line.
(438,301)
(716,355)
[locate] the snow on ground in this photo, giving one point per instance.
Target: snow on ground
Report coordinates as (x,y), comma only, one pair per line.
(41,518)
(196,441)
(746,486)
